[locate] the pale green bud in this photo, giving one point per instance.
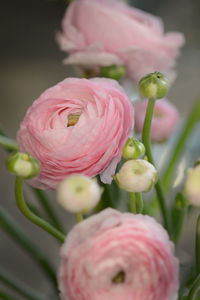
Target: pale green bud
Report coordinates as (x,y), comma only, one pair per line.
(23,165)
(192,186)
(133,149)
(78,193)
(154,86)
(114,72)
(136,176)
(180,201)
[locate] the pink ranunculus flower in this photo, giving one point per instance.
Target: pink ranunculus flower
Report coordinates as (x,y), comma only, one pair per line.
(78,126)
(119,256)
(164,120)
(106,32)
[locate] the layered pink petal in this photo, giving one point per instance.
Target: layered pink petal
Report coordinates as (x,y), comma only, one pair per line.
(91,146)
(134,36)
(110,243)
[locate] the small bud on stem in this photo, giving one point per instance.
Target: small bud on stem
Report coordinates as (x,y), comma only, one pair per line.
(136,176)
(78,193)
(133,149)
(114,72)
(154,86)
(23,165)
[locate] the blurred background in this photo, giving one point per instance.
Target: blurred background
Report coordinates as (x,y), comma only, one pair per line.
(30,62)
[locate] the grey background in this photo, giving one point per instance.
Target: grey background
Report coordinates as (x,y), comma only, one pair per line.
(31,61)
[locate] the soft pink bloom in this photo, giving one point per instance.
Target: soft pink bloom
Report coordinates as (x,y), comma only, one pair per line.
(106,32)
(164,120)
(92,145)
(112,243)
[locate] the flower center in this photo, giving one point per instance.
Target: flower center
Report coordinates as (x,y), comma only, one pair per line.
(73,119)
(119,277)
(79,189)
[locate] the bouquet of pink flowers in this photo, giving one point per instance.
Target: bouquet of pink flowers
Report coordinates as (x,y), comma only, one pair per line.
(87,140)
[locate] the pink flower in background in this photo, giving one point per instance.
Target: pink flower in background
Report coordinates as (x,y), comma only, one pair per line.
(78,126)
(106,32)
(119,256)
(164,120)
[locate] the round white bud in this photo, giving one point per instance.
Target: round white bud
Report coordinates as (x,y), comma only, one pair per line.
(78,193)
(136,176)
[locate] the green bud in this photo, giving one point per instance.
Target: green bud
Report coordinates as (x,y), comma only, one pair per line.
(154,85)
(23,165)
(180,201)
(114,72)
(133,149)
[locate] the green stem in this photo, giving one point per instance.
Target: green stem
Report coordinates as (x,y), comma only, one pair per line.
(15,231)
(146,139)
(33,218)
(18,286)
(198,245)
(49,210)
(132,199)
(194,289)
(5,296)
(193,118)
(139,203)
(8,143)
(79,217)
(178,215)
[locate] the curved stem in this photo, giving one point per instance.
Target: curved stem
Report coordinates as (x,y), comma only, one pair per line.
(194,289)
(146,139)
(193,118)
(15,231)
(18,286)
(49,210)
(198,245)
(132,199)
(79,217)
(33,218)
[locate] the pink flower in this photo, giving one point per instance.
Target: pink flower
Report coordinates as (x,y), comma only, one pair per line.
(106,32)
(164,120)
(118,256)
(78,126)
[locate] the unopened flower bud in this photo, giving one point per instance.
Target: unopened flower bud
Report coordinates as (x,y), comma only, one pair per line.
(133,149)
(78,193)
(154,85)
(180,201)
(23,165)
(114,72)
(136,176)
(192,186)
